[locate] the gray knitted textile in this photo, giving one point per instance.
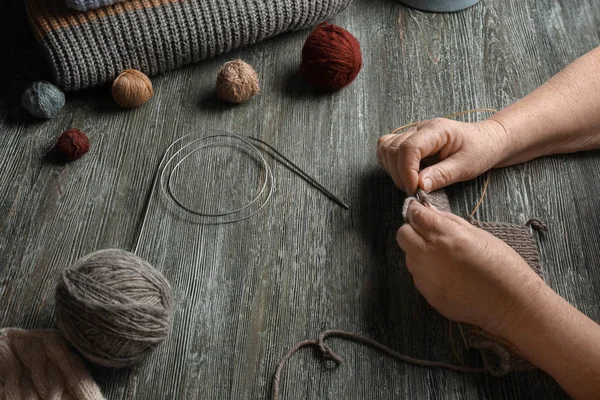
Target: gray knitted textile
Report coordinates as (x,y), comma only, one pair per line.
(84,5)
(87,49)
(498,356)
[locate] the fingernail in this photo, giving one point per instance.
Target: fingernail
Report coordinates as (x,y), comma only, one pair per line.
(427,183)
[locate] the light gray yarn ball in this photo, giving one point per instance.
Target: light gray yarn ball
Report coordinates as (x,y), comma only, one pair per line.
(114,307)
(43,100)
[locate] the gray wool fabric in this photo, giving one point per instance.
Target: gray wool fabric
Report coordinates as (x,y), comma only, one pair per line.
(87,49)
(498,357)
(84,5)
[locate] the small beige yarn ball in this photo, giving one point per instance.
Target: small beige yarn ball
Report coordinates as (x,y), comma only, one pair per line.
(132,88)
(237,82)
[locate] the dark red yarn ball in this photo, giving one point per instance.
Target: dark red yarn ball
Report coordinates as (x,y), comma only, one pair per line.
(331,57)
(71,145)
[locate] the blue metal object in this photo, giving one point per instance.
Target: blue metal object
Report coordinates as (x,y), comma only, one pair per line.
(440,5)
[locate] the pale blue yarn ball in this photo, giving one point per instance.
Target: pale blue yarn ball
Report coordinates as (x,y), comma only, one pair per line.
(43,100)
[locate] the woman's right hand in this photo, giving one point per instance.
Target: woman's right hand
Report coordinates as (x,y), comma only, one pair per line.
(455,151)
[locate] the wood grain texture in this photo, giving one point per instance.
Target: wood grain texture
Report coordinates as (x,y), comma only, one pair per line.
(247,292)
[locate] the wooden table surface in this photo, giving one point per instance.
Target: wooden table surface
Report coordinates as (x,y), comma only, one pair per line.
(246,292)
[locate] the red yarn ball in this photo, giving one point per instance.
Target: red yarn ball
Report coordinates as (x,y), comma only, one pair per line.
(71,145)
(331,57)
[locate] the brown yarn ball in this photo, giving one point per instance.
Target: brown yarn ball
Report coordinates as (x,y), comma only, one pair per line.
(71,145)
(237,82)
(331,57)
(132,89)
(114,307)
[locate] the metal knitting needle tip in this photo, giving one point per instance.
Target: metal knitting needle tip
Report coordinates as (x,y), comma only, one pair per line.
(303,174)
(337,200)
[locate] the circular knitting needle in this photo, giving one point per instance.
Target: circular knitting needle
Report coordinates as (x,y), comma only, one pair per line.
(171,161)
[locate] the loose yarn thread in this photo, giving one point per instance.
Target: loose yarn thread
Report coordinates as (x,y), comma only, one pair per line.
(329,354)
(457,114)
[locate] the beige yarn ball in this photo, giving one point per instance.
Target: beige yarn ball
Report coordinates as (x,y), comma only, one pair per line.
(132,89)
(113,307)
(237,82)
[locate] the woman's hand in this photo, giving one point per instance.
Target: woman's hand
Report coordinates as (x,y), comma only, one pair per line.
(460,151)
(465,273)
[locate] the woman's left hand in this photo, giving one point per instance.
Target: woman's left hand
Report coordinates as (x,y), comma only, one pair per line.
(467,274)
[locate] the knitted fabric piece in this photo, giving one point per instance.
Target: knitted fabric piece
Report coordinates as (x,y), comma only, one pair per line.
(498,356)
(87,49)
(39,365)
(83,5)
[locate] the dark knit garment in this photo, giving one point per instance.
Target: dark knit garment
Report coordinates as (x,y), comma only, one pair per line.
(87,49)
(498,356)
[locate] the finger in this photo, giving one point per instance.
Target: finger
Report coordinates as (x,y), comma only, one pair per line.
(429,160)
(418,285)
(413,266)
(453,217)
(409,240)
(444,173)
(387,155)
(426,221)
(381,148)
(424,143)
(392,154)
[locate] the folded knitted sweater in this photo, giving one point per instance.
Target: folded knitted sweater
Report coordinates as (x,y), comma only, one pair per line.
(87,49)
(83,5)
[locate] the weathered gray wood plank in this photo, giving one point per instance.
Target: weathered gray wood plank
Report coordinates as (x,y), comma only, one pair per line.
(247,292)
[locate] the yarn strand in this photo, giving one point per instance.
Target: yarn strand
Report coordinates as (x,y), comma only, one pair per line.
(329,354)
(457,114)
(483,192)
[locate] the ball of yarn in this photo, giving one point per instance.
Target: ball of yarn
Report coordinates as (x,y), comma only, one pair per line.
(71,145)
(113,307)
(132,89)
(43,100)
(237,82)
(331,57)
